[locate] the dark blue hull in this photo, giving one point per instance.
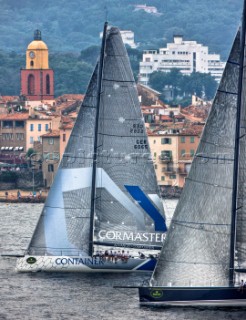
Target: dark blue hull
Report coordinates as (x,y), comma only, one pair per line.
(192,296)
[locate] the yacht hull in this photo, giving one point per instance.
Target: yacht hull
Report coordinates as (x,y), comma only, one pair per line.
(82,264)
(198,296)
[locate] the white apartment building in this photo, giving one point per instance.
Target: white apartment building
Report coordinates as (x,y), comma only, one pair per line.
(187,56)
(128,38)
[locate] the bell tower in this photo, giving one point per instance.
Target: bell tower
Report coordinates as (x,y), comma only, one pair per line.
(37,80)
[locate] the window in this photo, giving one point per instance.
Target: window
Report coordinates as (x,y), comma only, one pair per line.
(147,59)
(154,141)
(39,127)
(39,138)
(166,155)
(51,141)
(7,136)
(162,178)
(50,168)
(31,140)
(19,124)
(46,127)
(64,137)
(192,152)
(182,139)
(182,153)
(192,139)
(31,84)
(31,127)
(47,84)
(166,141)
(31,63)
(154,154)
(19,136)
(7,124)
(156,166)
(172,176)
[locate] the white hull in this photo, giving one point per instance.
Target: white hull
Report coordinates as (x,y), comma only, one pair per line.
(80,264)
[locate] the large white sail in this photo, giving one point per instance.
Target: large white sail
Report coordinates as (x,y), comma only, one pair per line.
(197,248)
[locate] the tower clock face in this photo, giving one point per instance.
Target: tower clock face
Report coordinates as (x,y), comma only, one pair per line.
(31,54)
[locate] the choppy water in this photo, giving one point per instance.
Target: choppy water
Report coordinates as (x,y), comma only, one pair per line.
(65,296)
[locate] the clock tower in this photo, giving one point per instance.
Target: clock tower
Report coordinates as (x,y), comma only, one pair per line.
(37,80)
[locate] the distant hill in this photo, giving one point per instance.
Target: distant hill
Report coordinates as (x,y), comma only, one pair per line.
(73,25)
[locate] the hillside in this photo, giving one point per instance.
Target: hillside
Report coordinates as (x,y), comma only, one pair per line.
(71,26)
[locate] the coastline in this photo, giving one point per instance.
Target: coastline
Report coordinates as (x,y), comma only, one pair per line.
(26,196)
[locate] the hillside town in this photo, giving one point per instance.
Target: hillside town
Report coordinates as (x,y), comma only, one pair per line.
(35,128)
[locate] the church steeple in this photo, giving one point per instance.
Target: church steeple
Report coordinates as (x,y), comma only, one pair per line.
(37,79)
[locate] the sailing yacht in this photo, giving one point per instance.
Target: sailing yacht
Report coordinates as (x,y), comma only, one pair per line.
(103,211)
(204,255)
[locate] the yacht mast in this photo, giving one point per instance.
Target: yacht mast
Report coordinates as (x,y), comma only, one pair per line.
(93,186)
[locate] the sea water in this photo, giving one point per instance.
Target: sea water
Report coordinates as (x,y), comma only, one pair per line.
(62,296)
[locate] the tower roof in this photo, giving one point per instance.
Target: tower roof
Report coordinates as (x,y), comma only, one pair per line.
(37,43)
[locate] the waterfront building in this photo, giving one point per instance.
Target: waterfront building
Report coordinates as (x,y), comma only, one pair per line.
(172,152)
(50,156)
(187,56)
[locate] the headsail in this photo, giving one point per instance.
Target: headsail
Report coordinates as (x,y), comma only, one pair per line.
(64,224)
(197,248)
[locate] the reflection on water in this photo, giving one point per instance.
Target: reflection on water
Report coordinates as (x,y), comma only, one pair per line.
(79,296)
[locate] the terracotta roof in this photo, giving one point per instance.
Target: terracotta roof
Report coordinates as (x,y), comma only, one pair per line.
(9,98)
(163,117)
(54,133)
(68,126)
(14,116)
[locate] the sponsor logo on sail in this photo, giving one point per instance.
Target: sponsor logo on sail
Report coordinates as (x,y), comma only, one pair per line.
(31,260)
(156,293)
(132,236)
(79,261)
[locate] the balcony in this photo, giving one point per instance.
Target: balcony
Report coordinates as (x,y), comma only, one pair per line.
(164,158)
(182,171)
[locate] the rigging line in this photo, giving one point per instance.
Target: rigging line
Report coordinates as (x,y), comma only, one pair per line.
(120,81)
(202,223)
(227,92)
(207,183)
(213,158)
(121,136)
(242,136)
(202,229)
